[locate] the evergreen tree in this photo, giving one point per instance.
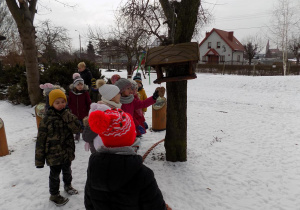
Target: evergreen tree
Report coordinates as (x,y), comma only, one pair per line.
(91,51)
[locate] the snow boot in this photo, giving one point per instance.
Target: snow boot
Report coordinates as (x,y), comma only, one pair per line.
(70,190)
(58,200)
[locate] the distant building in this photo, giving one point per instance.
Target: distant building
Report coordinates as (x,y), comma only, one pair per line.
(272,53)
(220,46)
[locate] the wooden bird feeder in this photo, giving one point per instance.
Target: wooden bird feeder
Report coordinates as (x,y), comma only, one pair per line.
(163,57)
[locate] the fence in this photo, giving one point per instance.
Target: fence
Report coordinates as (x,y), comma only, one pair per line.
(248,70)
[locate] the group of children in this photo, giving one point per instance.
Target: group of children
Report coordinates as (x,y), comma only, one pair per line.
(111,128)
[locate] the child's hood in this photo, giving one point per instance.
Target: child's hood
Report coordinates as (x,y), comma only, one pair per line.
(85,87)
(109,171)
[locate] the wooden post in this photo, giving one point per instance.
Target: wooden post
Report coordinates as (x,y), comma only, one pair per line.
(159,114)
(3,142)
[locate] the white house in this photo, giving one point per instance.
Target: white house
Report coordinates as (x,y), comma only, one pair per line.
(220,46)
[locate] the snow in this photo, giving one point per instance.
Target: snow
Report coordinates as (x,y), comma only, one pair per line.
(242,154)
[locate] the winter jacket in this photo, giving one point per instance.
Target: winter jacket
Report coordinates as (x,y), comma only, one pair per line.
(87,76)
(94,95)
(139,119)
(80,102)
(142,96)
(117,179)
(55,141)
(137,104)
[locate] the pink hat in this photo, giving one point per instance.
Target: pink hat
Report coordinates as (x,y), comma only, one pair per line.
(114,78)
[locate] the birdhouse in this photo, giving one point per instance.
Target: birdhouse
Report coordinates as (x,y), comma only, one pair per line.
(165,59)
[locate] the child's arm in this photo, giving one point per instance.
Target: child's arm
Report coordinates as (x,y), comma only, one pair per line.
(40,145)
(71,120)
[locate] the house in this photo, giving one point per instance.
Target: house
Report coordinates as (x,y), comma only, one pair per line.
(272,53)
(220,46)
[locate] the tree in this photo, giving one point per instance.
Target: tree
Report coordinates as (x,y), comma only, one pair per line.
(286,21)
(252,47)
(23,13)
(8,28)
(90,51)
(51,40)
(180,19)
(294,47)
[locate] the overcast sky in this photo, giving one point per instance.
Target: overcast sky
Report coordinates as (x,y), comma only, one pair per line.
(244,17)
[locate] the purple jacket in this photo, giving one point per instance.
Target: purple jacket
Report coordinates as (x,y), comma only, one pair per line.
(79,104)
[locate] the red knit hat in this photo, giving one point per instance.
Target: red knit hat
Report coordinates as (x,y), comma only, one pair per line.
(115,127)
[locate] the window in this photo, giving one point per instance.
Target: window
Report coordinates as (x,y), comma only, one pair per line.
(218,44)
(222,58)
(238,58)
(209,45)
(204,58)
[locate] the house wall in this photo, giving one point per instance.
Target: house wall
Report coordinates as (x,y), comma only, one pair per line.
(214,38)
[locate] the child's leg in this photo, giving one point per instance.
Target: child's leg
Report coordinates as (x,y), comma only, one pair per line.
(67,178)
(54,179)
(67,173)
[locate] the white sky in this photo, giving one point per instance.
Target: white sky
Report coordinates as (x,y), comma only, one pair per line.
(244,17)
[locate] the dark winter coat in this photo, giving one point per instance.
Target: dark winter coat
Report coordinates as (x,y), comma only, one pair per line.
(55,141)
(119,180)
(94,95)
(88,136)
(79,103)
(87,76)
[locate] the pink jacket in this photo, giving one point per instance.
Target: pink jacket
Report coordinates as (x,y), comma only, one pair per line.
(137,104)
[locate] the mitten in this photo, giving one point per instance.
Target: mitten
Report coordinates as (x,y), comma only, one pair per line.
(161,91)
(87,146)
(155,94)
(141,129)
(146,125)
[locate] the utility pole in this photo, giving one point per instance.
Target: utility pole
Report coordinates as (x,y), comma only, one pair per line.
(79,44)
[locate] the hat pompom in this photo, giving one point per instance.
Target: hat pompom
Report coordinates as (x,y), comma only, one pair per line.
(99,121)
(76,75)
(100,82)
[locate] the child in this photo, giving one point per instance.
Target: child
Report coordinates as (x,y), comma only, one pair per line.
(55,144)
(85,74)
(79,100)
(94,93)
(141,91)
(129,103)
(114,78)
(116,176)
(47,88)
(110,99)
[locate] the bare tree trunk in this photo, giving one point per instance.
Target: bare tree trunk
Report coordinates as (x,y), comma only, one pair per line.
(181,29)
(24,16)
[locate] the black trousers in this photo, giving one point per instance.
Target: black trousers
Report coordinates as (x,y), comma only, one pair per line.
(54,180)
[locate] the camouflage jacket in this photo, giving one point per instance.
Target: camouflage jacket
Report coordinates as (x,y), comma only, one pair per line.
(55,141)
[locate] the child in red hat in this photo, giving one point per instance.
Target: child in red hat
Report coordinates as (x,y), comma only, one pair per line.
(116,176)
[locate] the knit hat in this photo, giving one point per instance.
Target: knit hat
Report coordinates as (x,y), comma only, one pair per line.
(93,80)
(55,94)
(122,84)
(77,79)
(114,78)
(133,84)
(115,127)
(107,91)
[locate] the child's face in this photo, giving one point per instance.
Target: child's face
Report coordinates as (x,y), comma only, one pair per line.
(80,69)
(133,91)
(127,92)
(79,86)
(59,104)
(139,84)
(116,98)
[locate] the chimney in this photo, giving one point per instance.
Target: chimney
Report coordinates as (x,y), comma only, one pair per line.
(230,35)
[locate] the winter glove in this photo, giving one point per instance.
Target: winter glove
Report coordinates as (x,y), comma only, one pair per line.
(40,167)
(161,91)
(146,125)
(141,129)
(87,146)
(155,94)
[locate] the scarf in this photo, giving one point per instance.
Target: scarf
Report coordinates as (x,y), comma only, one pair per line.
(127,100)
(111,104)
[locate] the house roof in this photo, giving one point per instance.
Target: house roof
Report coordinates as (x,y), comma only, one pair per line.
(212,51)
(234,44)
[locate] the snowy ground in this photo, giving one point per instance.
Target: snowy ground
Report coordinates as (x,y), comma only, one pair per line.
(243,150)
